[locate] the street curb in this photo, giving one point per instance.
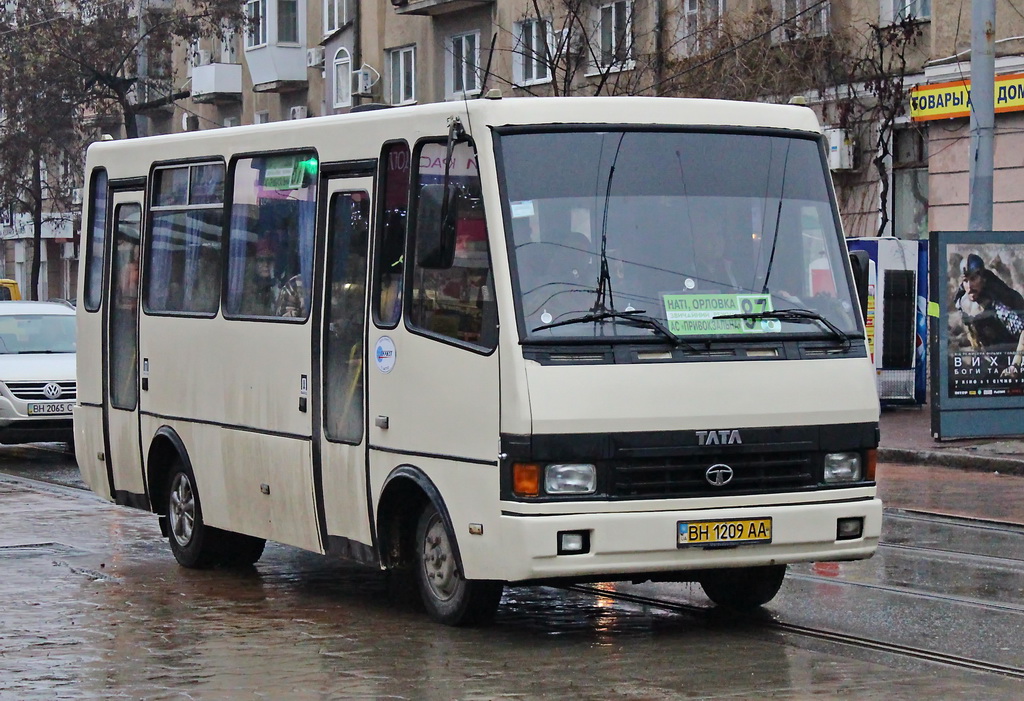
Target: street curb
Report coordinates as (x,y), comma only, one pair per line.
(980,463)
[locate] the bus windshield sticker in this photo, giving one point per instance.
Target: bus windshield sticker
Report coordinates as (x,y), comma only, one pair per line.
(694,314)
(384,354)
(521,209)
(288,172)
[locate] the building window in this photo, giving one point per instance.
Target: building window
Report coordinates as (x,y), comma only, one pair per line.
(463,71)
(616,32)
(403,75)
(910,184)
(337,13)
(261,117)
(342,78)
(533,52)
(256,32)
(905,9)
(804,18)
(700,26)
(287,21)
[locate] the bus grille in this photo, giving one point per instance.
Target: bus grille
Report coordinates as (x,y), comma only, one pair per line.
(33,391)
(684,476)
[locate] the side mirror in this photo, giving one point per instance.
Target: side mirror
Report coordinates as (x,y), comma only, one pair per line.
(435,226)
(860,261)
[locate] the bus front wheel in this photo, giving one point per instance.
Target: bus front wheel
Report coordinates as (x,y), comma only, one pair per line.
(194,544)
(448,596)
(743,588)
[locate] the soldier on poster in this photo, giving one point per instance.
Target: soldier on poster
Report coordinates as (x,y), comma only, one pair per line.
(986,334)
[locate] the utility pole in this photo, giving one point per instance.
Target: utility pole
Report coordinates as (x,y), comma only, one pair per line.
(983,118)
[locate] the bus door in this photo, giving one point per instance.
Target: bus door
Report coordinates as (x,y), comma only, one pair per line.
(342,466)
(121,429)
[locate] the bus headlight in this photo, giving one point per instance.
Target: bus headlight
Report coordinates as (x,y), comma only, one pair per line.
(570,479)
(842,467)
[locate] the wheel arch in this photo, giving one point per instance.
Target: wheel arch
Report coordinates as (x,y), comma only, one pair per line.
(404,494)
(165,448)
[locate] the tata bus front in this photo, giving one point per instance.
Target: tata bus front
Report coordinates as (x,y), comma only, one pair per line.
(701,402)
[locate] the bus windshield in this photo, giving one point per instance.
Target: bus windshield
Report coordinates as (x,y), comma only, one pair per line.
(632,233)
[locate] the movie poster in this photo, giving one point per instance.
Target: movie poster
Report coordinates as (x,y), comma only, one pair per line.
(985,303)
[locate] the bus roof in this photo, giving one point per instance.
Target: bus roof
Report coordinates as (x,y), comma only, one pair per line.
(415,120)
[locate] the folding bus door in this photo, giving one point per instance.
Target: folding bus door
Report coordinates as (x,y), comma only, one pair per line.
(342,482)
(121,431)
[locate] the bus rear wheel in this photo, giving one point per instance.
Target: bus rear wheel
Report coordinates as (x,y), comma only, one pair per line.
(743,588)
(449,597)
(194,544)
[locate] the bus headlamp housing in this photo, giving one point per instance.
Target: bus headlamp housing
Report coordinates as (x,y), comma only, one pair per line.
(843,467)
(570,478)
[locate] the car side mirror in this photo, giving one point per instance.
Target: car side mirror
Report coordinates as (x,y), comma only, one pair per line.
(435,226)
(859,262)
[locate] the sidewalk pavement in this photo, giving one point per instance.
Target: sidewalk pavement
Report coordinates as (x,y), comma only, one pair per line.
(907,438)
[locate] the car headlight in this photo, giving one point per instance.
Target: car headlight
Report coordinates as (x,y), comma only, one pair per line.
(570,479)
(843,467)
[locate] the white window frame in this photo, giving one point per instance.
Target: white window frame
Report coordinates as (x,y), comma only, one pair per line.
(462,77)
(904,9)
(261,117)
(396,88)
(342,78)
(256,32)
(699,24)
(614,9)
(339,12)
(814,23)
(298,22)
(530,55)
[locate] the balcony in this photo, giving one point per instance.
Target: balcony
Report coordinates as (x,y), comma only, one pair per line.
(436,7)
(217,83)
(277,68)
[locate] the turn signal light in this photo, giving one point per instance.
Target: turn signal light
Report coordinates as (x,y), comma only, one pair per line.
(526,479)
(870,461)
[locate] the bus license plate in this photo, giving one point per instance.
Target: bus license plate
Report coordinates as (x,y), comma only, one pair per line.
(740,531)
(61,408)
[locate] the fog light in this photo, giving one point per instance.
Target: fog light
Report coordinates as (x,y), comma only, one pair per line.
(573,542)
(849,528)
(842,467)
(570,479)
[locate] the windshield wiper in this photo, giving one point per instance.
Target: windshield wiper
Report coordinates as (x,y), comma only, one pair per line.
(636,316)
(800,316)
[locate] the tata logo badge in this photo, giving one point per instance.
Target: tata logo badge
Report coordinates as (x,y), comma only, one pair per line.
(718,475)
(52,391)
(384,354)
(726,437)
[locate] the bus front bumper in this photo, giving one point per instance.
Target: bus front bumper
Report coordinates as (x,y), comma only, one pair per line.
(626,543)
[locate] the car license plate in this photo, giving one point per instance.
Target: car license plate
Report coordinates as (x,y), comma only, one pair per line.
(740,531)
(60,408)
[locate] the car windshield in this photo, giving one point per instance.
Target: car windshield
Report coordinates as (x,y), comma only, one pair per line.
(677,226)
(37,333)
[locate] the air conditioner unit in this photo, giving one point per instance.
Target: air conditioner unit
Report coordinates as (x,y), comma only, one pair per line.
(840,149)
(298,112)
(76,195)
(315,57)
(363,79)
(203,57)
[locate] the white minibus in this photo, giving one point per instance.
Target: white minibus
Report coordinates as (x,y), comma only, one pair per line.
(534,340)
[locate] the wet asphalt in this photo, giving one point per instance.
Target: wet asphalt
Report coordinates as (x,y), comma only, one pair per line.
(93,606)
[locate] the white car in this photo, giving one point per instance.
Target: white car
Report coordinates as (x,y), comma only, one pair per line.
(37,372)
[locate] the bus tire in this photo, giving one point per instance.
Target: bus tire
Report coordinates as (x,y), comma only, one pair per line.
(242,550)
(194,544)
(743,588)
(449,597)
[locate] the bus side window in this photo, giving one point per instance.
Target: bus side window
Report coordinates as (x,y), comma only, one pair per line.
(389,240)
(94,243)
(452,296)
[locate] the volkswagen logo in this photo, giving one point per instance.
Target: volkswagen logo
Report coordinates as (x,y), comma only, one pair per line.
(718,475)
(52,391)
